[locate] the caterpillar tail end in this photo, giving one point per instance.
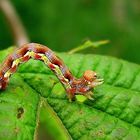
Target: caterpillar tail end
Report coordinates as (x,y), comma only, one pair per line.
(3,82)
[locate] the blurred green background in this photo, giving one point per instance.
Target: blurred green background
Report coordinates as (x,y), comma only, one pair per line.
(63,25)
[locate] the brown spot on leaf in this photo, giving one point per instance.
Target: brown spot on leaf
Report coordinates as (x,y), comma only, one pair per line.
(16,130)
(99,133)
(20,112)
(81,112)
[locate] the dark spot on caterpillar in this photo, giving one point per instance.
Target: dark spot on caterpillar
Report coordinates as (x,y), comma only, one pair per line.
(57,61)
(68,75)
(22,51)
(20,112)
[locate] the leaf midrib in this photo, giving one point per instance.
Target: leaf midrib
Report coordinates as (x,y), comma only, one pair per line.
(37,111)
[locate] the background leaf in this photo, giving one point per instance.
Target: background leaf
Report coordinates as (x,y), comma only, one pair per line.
(114,114)
(64,24)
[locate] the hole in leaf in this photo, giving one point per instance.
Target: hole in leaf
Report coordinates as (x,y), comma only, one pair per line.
(20,112)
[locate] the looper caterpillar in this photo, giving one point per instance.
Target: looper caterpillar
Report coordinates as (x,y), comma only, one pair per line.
(40,52)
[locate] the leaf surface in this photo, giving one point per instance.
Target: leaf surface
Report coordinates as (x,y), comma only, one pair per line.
(114,114)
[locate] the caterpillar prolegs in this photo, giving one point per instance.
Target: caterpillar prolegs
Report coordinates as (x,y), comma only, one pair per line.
(72,85)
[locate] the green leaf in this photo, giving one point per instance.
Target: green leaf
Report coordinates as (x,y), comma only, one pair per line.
(114,114)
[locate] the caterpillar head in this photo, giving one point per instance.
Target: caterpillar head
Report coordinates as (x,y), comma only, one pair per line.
(92,79)
(84,85)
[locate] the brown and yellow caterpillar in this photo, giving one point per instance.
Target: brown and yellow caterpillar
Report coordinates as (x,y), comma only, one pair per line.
(72,85)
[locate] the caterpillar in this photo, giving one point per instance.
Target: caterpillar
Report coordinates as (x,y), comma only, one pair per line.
(36,51)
